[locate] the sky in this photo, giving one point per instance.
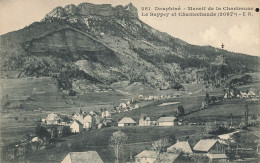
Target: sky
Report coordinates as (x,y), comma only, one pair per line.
(238,34)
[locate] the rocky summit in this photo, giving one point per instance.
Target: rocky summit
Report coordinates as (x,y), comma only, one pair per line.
(87,9)
(91,46)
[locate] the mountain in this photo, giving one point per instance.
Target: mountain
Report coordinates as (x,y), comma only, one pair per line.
(93,46)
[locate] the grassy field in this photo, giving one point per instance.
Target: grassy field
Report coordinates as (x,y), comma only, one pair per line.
(221,112)
(139,138)
(45,95)
(155,111)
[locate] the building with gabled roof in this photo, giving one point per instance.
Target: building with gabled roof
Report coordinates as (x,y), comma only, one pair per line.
(147,156)
(166,121)
(212,146)
(180,146)
(53,119)
(82,157)
(78,116)
(251,94)
(76,127)
(126,121)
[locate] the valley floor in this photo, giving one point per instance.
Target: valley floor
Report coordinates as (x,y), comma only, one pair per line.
(45,98)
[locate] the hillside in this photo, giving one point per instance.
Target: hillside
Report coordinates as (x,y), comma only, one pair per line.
(99,45)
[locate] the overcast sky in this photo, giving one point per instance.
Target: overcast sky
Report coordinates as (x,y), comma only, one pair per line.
(239,34)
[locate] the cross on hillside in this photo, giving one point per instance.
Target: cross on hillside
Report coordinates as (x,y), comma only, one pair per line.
(222,55)
(222,45)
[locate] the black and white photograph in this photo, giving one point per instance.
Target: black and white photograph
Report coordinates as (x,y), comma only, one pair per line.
(129,81)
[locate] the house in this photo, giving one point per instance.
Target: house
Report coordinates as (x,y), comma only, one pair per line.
(212,146)
(78,117)
(146,156)
(122,105)
(53,119)
(82,157)
(137,106)
(181,146)
(251,94)
(105,113)
(76,127)
(140,96)
(167,121)
(217,157)
(229,94)
(243,94)
(88,121)
(167,158)
(100,126)
(126,121)
(145,121)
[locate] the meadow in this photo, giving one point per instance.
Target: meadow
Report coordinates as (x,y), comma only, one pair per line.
(139,138)
(45,98)
(222,112)
(45,95)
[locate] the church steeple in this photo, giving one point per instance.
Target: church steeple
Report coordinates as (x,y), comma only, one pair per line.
(80,111)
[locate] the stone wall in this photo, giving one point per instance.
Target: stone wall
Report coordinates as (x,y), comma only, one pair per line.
(86,9)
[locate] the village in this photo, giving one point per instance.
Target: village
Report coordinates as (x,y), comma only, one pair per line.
(208,149)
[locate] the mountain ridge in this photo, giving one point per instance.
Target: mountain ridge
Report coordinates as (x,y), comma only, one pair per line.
(117,48)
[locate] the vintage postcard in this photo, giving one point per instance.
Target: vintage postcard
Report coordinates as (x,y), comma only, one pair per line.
(144,81)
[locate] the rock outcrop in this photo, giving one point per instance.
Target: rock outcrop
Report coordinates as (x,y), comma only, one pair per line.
(87,9)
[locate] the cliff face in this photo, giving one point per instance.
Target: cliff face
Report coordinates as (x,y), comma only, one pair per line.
(87,9)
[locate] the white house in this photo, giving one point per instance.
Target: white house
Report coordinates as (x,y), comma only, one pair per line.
(78,117)
(126,121)
(137,106)
(82,157)
(167,121)
(145,121)
(105,114)
(88,121)
(53,119)
(123,105)
(76,127)
(243,94)
(251,94)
